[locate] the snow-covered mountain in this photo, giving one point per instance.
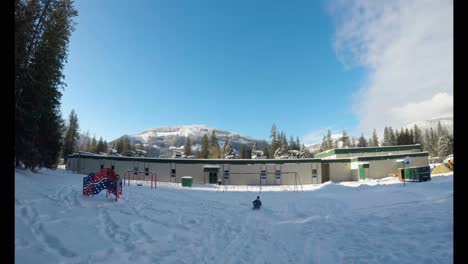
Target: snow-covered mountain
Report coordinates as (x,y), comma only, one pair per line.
(446,122)
(162,138)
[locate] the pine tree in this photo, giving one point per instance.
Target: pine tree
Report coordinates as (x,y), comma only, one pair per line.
(42,31)
(283,141)
(70,143)
(273,139)
(205,147)
(87,142)
(392,137)
(374,142)
(443,145)
(298,143)
(345,139)
(105,146)
(214,146)
(324,144)
(254,147)
(228,150)
(362,142)
(100,146)
(119,146)
(386,138)
(417,136)
(353,143)
(265,150)
(292,143)
(407,136)
(329,140)
(188,147)
(247,152)
(305,152)
(397,137)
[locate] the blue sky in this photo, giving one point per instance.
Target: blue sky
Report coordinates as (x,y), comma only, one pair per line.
(234,65)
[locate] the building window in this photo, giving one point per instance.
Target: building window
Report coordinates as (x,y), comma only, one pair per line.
(146,171)
(173,173)
(102,166)
(113,167)
(314,171)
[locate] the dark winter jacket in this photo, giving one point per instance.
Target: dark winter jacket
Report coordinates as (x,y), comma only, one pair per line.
(257,203)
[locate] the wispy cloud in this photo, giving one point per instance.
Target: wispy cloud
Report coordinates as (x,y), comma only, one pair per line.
(407,46)
(317,135)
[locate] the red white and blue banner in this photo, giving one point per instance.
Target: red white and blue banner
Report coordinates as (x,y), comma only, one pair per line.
(107,179)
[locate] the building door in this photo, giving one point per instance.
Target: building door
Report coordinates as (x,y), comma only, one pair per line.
(213,177)
(362,171)
(325,172)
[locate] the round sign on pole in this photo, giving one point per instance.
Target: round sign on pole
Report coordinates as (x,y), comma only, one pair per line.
(407,160)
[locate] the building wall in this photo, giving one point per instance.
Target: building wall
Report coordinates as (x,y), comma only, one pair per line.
(340,171)
(240,174)
(244,173)
(382,168)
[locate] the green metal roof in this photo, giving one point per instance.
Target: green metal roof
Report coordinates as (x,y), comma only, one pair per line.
(335,151)
(249,161)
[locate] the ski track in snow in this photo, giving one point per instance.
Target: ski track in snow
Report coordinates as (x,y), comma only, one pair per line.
(383,223)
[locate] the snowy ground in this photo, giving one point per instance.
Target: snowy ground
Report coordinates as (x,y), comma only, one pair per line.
(355,222)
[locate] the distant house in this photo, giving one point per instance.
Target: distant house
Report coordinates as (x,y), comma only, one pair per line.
(140,153)
(257,154)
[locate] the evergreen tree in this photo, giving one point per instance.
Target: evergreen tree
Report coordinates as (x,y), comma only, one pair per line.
(254,147)
(265,150)
(345,139)
(100,146)
(228,150)
(292,143)
(374,142)
(214,146)
(397,137)
(329,140)
(407,137)
(273,139)
(353,143)
(188,147)
(417,135)
(392,137)
(105,147)
(205,147)
(283,141)
(248,152)
(42,31)
(93,144)
(70,142)
(443,142)
(386,138)
(362,142)
(119,146)
(87,142)
(324,145)
(305,152)
(443,145)
(298,143)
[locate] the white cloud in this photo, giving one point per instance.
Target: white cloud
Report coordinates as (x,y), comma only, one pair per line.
(317,135)
(407,46)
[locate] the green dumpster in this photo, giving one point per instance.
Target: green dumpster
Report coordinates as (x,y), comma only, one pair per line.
(187,181)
